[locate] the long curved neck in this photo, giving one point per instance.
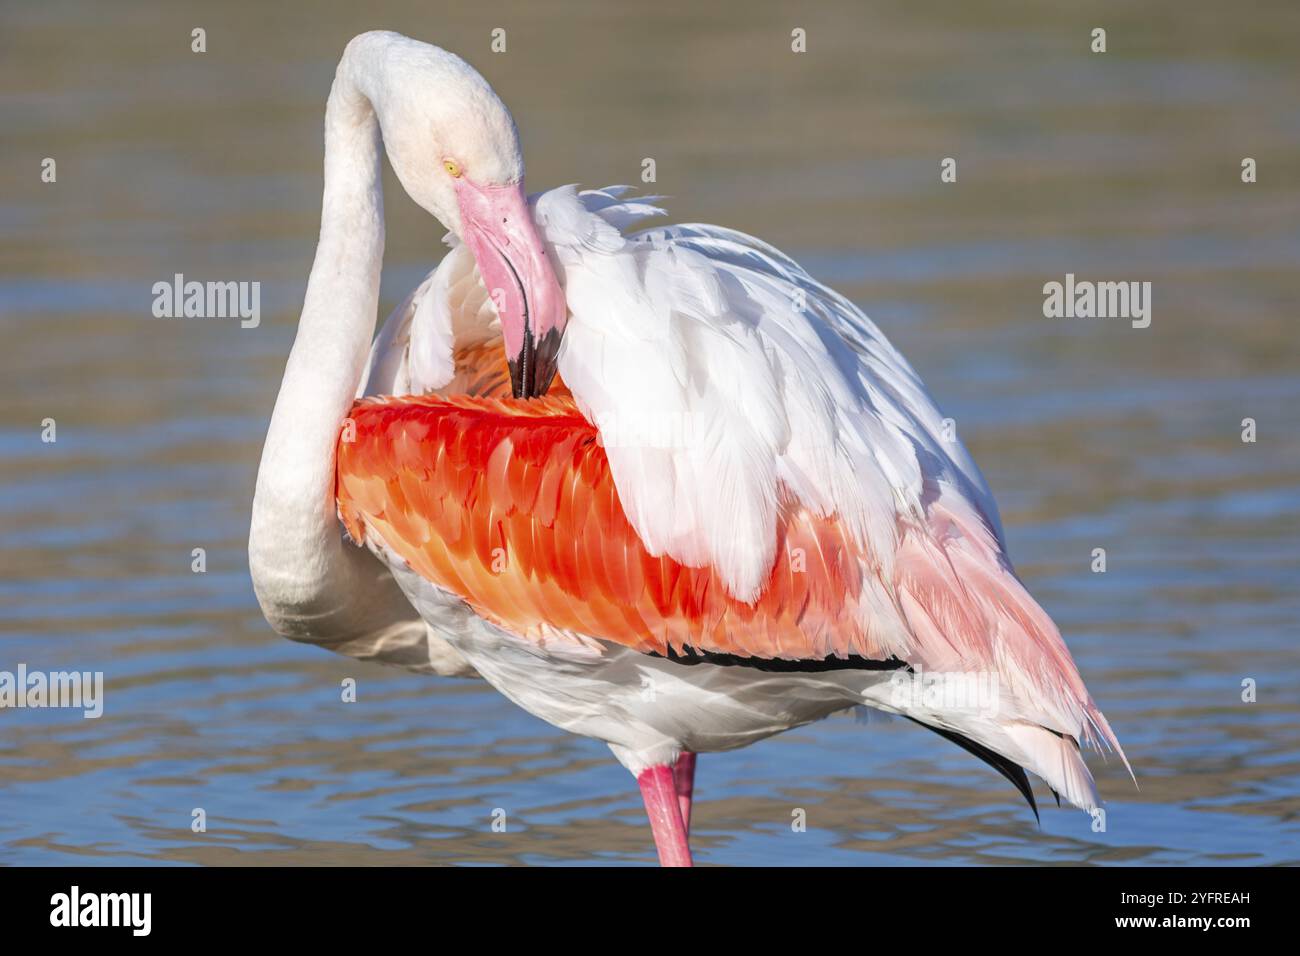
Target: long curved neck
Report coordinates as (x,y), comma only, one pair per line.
(311,585)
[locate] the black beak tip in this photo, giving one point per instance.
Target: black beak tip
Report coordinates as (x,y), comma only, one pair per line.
(533,369)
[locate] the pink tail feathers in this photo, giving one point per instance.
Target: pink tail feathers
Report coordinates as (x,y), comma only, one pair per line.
(1058,761)
(967,610)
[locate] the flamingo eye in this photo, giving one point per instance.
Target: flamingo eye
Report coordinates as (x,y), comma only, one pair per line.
(452,167)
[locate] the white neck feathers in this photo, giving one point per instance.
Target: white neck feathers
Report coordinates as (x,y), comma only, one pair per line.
(310,584)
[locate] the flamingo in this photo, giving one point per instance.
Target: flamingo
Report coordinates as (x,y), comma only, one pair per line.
(657,485)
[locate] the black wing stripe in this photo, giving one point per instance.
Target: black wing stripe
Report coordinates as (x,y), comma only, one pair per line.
(1008,768)
(781,665)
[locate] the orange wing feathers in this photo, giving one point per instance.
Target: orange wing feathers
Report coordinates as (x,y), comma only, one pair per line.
(510,504)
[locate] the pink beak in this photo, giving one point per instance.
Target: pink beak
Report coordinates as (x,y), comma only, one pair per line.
(498,227)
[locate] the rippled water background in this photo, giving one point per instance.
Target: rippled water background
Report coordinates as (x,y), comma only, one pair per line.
(1092,434)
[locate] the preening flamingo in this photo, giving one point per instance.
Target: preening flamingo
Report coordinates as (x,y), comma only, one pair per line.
(658,487)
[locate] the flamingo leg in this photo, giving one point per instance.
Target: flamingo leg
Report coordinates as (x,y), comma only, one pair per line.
(684,778)
(661,806)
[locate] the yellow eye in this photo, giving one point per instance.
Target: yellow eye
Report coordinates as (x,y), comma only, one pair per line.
(452,167)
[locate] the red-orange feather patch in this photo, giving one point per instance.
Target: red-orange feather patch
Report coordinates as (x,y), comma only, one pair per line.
(510,504)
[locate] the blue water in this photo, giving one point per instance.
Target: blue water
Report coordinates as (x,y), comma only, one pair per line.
(1091,433)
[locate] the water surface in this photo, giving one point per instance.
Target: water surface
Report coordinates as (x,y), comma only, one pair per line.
(1092,434)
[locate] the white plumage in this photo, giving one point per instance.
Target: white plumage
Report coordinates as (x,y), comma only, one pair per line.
(735,397)
(720,376)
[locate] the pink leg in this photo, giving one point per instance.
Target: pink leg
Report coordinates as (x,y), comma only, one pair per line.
(684,777)
(660,795)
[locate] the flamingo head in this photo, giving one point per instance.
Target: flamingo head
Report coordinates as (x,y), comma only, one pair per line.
(455,148)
